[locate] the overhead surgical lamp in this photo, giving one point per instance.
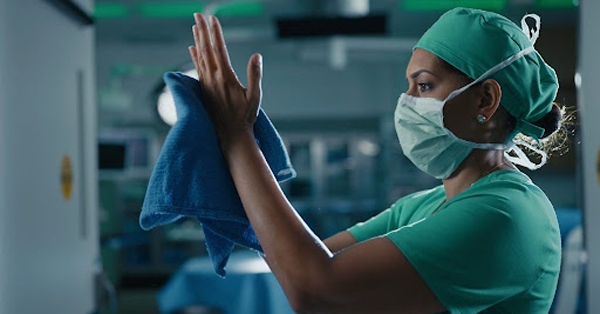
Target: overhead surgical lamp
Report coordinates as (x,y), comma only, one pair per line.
(166,104)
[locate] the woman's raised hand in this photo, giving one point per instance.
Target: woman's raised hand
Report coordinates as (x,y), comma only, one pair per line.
(232,107)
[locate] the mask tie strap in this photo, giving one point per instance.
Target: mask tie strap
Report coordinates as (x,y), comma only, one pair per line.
(532,34)
(522,159)
(491,71)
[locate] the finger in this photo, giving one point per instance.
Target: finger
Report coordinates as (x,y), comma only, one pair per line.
(222,55)
(206,50)
(199,59)
(194,56)
(254,92)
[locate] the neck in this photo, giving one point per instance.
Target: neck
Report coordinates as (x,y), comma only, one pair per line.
(477,165)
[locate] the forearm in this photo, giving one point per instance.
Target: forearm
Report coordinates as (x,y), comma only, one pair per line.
(293,252)
(373,276)
(340,241)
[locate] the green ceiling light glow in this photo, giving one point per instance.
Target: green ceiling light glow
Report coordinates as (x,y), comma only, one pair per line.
(170,9)
(240,9)
(107,10)
(444,5)
(557,4)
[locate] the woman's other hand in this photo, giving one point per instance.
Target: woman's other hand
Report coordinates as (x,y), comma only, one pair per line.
(232,107)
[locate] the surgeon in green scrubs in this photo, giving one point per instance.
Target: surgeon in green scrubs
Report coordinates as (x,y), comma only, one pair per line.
(485,241)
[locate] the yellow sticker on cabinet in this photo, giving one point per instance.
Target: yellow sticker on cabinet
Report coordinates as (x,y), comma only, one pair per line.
(598,166)
(66,177)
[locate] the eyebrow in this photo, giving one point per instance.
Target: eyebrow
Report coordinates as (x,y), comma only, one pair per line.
(417,73)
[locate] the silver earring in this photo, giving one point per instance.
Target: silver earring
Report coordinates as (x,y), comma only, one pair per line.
(481,118)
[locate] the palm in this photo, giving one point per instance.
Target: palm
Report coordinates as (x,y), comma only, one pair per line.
(232,107)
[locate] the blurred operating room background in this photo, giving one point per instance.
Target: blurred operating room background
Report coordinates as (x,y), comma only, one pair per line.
(82,122)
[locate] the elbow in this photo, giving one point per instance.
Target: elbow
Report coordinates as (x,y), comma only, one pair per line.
(298,305)
(303,302)
(309,299)
(312,288)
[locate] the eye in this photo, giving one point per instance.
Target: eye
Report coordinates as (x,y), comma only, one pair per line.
(424,87)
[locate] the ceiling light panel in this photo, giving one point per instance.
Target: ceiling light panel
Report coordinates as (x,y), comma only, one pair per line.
(443,5)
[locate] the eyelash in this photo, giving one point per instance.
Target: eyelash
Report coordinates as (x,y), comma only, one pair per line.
(424,87)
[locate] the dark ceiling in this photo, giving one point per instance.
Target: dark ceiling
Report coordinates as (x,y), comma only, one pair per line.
(134,21)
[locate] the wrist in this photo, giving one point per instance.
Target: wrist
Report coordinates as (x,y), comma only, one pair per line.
(235,141)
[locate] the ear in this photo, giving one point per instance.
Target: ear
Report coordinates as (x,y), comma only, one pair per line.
(491,93)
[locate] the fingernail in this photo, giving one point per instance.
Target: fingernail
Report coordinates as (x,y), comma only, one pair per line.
(259,60)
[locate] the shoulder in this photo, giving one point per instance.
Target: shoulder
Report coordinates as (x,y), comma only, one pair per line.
(510,193)
(507,181)
(516,211)
(480,232)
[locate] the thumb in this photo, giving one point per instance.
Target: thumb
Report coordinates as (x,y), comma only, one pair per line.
(254,92)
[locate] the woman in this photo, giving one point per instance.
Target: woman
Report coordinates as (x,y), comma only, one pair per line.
(486,240)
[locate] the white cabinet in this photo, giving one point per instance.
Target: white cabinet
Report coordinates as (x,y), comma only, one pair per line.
(48,182)
(588,80)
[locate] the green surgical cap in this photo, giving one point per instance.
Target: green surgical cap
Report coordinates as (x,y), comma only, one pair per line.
(474,41)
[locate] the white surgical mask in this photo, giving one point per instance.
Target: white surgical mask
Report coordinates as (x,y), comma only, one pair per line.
(432,147)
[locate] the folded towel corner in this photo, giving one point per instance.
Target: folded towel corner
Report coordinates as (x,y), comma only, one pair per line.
(191,177)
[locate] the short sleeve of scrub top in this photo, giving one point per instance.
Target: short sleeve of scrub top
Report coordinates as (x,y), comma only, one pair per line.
(493,248)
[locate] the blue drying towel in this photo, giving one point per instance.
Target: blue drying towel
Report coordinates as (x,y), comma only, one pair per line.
(191,177)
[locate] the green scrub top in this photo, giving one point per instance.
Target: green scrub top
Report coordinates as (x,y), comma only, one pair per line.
(494,248)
